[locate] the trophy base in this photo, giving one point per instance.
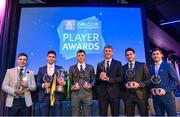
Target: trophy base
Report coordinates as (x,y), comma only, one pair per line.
(59,89)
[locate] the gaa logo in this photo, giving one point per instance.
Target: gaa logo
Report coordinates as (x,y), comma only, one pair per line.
(69,25)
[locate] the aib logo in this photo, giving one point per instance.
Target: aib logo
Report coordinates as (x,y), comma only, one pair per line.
(69,25)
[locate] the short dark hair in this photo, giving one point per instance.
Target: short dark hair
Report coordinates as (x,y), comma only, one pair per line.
(157,49)
(51,52)
(23,54)
(81,51)
(130,49)
(108,46)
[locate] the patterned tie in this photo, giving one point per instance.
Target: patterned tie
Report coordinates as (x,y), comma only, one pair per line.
(21,74)
(131,65)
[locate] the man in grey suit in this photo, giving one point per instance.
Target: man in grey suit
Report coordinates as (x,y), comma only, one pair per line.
(82,80)
(18,83)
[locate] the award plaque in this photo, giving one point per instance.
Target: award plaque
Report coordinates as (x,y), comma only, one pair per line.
(130,74)
(155,79)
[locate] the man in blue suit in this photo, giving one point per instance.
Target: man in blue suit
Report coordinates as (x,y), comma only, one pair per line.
(163,77)
(44,87)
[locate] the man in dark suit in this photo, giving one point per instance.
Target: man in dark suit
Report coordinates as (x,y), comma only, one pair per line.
(136,79)
(163,77)
(109,76)
(45,79)
(82,80)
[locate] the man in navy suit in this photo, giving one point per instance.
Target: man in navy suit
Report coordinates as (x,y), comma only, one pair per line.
(163,77)
(137,74)
(109,76)
(82,80)
(44,87)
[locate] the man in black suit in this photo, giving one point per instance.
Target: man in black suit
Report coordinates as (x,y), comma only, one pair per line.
(109,76)
(45,87)
(136,79)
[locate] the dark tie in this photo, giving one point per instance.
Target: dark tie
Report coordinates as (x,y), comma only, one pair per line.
(81,68)
(107,66)
(131,65)
(21,73)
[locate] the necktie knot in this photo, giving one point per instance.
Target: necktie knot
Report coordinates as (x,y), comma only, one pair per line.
(21,71)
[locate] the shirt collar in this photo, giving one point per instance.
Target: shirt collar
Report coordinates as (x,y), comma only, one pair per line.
(50,65)
(158,63)
(21,68)
(108,60)
(133,62)
(83,65)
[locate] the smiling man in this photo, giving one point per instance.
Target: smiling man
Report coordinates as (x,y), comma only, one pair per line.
(18,83)
(45,86)
(109,76)
(136,79)
(162,87)
(82,80)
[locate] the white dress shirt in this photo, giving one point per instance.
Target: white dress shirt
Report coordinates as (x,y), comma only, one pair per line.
(109,62)
(133,64)
(79,65)
(50,69)
(156,66)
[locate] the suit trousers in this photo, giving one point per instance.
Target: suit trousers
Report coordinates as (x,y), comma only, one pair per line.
(46,110)
(141,104)
(162,105)
(19,108)
(114,105)
(81,104)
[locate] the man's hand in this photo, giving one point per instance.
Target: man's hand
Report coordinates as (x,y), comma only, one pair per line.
(87,85)
(46,85)
(61,81)
(76,86)
(132,85)
(162,92)
(24,84)
(153,91)
(135,85)
(18,92)
(103,76)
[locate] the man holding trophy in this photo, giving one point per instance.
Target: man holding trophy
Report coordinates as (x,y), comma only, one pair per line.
(136,79)
(109,78)
(18,83)
(163,82)
(82,80)
(50,84)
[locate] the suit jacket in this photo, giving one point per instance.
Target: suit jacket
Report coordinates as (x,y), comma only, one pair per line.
(74,75)
(113,86)
(168,77)
(10,81)
(142,76)
(42,96)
